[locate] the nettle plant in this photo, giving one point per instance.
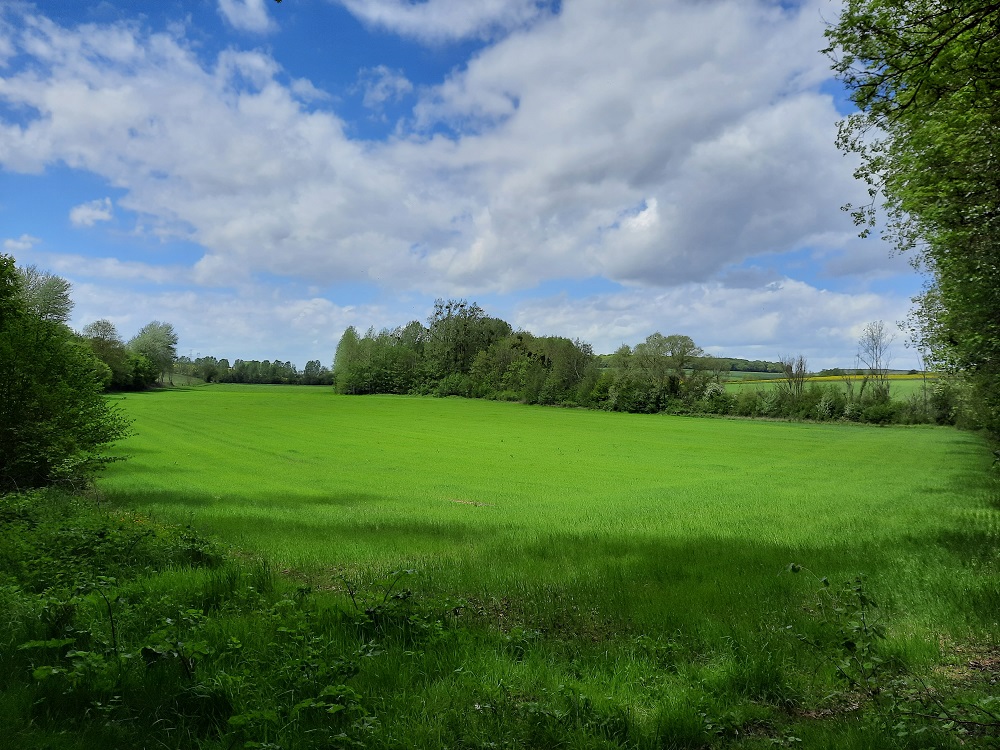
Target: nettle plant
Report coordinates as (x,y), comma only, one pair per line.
(851,632)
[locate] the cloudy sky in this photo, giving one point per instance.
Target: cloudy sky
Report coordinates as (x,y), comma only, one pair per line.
(263,175)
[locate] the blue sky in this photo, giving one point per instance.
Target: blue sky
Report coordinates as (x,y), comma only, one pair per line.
(263,175)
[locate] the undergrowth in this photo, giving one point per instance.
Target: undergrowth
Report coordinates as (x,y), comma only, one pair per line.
(116,631)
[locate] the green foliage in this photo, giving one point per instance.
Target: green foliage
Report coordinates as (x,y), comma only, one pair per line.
(100,645)
(157,342)
(250,371)
(465,353)
(848,627)
(662,374)
(45,295)
(315,373)
(54,422)
(381,362)
(456,332)
(129,370)
(55,543)
(925,78)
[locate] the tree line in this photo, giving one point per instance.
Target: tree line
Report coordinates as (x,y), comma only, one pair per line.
(462,351)
(213,370)
(151,356)
(137,364)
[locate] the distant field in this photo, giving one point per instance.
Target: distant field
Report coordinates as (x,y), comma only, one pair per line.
(631,511)
(901,386)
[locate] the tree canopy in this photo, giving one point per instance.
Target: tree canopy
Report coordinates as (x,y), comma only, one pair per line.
(925,76)
(45,295)
(130,369)
(157,341)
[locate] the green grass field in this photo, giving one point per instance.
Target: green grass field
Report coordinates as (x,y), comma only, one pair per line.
(639,559)
(901,386)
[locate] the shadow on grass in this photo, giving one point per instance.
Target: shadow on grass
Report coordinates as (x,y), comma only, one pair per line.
(158,391)
(186,500)
(621,576)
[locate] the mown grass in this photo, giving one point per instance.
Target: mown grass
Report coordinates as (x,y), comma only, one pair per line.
(587,579)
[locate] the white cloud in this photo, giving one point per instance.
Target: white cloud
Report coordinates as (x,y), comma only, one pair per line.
(702,113)
(706,109)
(111,270)
(446,20)
(88,214)
(381,85)
(255,324)
(653,144)
(21,244)
(307,92)
(247,15)
(781,318)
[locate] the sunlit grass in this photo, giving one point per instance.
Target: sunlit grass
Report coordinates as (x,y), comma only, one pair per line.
(635,514)
(901,386)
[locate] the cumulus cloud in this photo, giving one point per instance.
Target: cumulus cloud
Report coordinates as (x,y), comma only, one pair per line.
(247,15)
(580,121)
(658,145)
(650,143)
(88,214)
(382,84)
(255,324)
(20,244)
(446,20)
(767,322)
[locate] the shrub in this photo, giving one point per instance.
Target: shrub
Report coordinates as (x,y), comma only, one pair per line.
(746,404)
(54,419)
(455,384)
(879,413)
(715,400)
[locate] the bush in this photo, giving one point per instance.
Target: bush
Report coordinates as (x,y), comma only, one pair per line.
(746,403)
(455,384)
(830,405)
(944,402)
(879,413)
(715,400)
(54,419)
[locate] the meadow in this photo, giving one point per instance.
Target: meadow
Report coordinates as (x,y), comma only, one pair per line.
(484,493)
(901,386)
(691,577)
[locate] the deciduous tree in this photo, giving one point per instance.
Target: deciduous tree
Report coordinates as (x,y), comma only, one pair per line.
(925,75)
(45,295)
(156,341)
(874,357)
(793,378)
